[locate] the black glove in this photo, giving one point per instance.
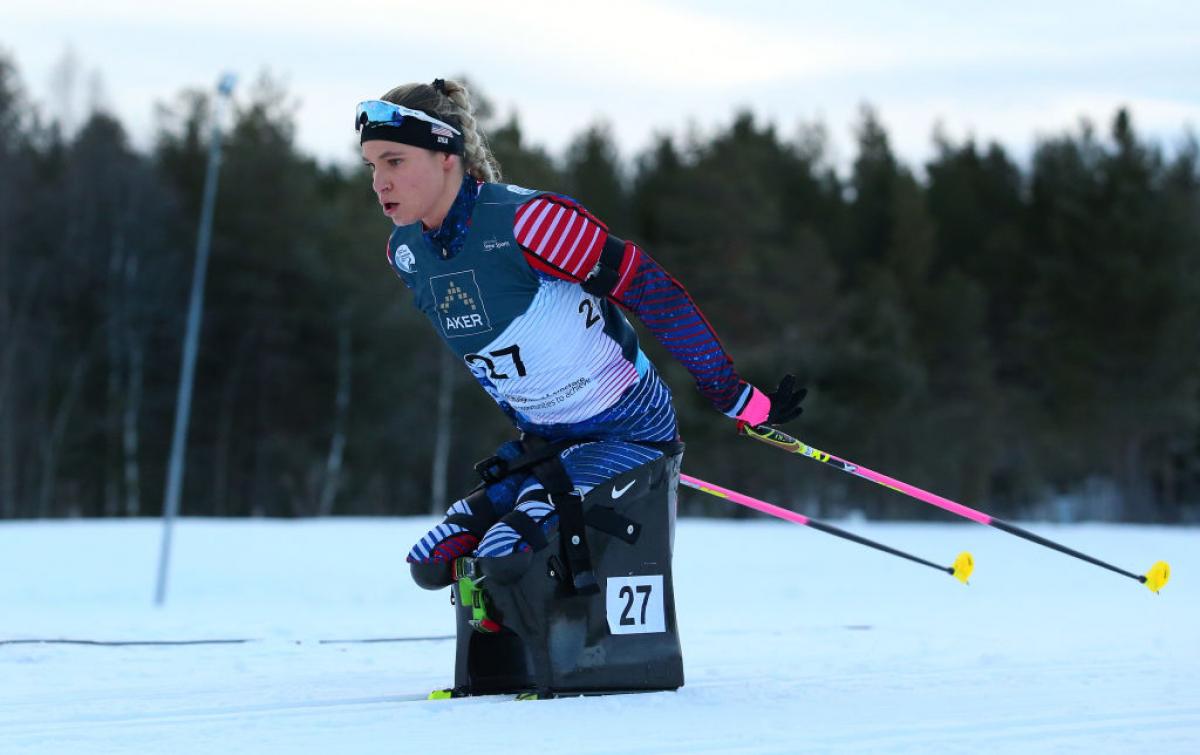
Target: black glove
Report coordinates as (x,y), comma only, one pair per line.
(785,401)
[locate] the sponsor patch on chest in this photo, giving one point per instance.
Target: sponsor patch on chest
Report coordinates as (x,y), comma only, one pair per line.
(459,304)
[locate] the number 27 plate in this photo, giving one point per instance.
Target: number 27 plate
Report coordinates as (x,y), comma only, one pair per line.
(635,604)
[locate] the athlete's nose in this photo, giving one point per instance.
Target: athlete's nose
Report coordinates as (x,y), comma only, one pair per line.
(380,183)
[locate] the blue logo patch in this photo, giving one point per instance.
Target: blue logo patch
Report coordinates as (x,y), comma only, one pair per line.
(459,304)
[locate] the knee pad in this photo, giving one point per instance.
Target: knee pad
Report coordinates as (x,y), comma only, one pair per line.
(432,575)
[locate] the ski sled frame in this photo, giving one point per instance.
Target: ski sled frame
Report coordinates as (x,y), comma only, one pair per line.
(614,633)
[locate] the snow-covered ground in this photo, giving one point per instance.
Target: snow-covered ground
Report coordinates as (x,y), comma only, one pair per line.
(793,641)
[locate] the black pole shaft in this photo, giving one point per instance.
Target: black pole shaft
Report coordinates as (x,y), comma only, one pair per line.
(830,529)
(1013,529)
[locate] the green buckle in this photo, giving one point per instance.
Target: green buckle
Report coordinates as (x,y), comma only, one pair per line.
(466,570)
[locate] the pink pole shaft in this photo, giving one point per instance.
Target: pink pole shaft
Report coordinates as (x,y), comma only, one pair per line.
(915,492)
(744,500)
(792,516)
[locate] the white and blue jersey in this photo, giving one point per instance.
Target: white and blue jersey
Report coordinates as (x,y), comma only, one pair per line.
(500,281)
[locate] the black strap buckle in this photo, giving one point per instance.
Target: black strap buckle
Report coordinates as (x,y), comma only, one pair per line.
(493,469)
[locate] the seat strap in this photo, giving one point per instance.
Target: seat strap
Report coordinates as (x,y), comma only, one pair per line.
(481,517)
(573,539)
(529,530)
(607,520)
(536,450)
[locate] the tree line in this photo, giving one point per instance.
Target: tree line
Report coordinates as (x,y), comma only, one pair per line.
(1024,338)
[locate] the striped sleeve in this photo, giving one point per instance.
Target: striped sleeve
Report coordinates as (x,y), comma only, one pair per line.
(564,240)
(667,310)
(559,236)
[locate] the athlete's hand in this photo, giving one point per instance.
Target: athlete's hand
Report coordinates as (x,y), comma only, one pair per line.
(785,401)
(775,408)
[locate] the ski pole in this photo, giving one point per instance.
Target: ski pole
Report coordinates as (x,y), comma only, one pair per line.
(961,570)
(1154,579)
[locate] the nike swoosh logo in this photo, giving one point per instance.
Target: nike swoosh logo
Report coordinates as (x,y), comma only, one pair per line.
(617,493)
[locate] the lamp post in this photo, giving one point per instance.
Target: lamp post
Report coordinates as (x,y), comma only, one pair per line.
(187,368)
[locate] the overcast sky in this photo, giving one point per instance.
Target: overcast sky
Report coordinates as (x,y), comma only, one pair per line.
(1009,71)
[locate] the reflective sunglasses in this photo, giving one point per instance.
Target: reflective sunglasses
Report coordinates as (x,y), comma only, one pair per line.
(382,113)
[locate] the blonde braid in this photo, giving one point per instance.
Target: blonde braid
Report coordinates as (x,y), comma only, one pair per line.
(454,107)
(478,155)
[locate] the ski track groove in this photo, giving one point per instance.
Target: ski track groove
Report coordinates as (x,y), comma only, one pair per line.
(187,715)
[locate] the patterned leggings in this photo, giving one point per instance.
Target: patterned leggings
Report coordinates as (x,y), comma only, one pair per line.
(587,464)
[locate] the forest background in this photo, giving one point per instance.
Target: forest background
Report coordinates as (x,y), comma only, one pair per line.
(1021,336)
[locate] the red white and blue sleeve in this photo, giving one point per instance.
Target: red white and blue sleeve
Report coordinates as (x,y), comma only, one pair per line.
(562,239)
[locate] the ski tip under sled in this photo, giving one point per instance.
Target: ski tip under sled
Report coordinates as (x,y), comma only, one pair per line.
(451,694)
(454,694)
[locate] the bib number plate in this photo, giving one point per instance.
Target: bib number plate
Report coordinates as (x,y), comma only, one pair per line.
(635,604)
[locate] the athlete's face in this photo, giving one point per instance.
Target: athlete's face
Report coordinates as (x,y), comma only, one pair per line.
(412,183)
